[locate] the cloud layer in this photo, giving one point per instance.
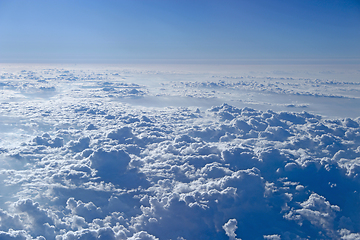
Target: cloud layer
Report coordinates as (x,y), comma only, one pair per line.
(77,164)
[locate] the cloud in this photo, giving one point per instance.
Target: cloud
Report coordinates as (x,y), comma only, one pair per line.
(83,164)
(319,212)
(143,236)
(17,235)
(230,228)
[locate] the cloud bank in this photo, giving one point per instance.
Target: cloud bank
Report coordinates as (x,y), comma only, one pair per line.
(81,164)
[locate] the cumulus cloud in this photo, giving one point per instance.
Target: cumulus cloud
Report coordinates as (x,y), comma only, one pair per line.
(85,164)
(17,235)
(143,236)
(230,228)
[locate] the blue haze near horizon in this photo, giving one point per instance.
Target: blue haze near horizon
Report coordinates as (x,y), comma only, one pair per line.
(111,31)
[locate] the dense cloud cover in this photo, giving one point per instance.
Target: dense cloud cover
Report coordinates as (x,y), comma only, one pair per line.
(78,164)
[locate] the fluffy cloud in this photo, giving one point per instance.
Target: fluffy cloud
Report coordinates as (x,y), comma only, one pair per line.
(230,228)
(82,164)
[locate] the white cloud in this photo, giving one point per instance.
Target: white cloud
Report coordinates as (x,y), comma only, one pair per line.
(81,163)
(230,228)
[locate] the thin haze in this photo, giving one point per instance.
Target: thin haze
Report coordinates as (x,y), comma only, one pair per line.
(98,31)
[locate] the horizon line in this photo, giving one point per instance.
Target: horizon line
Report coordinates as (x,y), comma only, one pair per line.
(188,61)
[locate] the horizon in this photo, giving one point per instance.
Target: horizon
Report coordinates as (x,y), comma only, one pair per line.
(284,61)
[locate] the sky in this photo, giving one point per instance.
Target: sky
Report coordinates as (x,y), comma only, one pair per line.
(111,31)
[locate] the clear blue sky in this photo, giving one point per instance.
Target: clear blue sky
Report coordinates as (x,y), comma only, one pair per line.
(102,30)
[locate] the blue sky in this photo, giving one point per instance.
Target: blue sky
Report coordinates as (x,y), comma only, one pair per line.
(109,30)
